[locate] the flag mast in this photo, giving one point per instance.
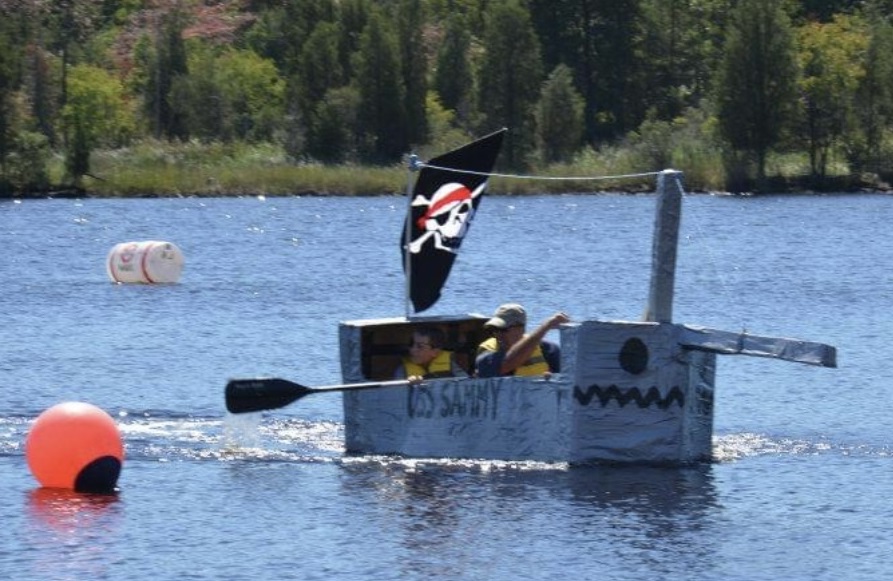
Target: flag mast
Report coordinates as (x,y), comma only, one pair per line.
(407,235)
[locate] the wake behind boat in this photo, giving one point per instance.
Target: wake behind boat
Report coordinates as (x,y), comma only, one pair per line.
(628,391)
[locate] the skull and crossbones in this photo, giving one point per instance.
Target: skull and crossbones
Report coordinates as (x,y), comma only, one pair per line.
(448,216)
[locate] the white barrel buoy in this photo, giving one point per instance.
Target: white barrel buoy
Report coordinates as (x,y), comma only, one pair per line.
(149,262)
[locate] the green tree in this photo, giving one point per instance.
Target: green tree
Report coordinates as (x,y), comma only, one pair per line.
(825,10)
(253,94)
(559,117)
(333,139)
(827,54)
(756,81)
(601,42)
(510,77)
(874,97)
(354,14)
(163,64)
(196,97)
(680,45)
(11,58)
(414,63)
(25,168)
(453,76)
(445,131)
(96,114)
(44,92)
(319,69)
(283,27)
(382,92)
(68,24)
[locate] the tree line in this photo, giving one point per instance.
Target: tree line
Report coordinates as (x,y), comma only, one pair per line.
(364,81)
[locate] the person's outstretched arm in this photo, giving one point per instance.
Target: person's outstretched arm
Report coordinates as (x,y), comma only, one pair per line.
(523,349)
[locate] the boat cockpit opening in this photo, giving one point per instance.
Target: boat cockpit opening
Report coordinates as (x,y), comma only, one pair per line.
(384,344)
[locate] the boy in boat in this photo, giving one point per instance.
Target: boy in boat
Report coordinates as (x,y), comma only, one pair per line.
(510,351)
(427,358)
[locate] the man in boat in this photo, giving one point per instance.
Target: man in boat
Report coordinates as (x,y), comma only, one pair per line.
(511,351)
(427,358)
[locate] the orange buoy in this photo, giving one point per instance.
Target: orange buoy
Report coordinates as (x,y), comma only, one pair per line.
(75,445)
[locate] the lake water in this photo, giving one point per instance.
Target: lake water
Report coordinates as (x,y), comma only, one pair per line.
(800,488)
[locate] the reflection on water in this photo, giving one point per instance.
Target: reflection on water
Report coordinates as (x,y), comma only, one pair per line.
(650,490)
(66,511)
(70,532)
(448,508)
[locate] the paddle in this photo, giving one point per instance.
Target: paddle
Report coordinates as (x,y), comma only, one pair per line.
(268,393)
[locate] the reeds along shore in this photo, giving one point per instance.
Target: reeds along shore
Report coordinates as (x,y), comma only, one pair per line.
(208,170)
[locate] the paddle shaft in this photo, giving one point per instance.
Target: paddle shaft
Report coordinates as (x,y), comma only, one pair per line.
(268,393)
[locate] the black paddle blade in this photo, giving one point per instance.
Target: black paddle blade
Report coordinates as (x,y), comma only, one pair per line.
(257,395)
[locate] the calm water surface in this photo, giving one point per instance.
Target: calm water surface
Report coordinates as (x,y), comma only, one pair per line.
(800,488)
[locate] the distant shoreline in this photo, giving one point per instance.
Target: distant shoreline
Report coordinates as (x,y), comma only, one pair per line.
(381,186)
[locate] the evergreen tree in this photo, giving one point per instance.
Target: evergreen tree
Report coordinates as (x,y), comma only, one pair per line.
(44,93)
(301,19)
(333,139)
(756,82)
(354,14)
(621,85)
(413,58)
(320,72)
(166,63)
(10,65)
(874,97)
(283,27)
(382,92)
(510,77)
(197,99)
(600,41)
(824,10)
(453,78)
(676,60)
(319,68)
(69,24)
(559,117)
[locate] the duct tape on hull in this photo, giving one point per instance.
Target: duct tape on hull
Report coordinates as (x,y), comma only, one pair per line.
(628,393)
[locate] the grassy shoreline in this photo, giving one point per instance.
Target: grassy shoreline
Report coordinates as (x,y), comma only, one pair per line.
(160,169)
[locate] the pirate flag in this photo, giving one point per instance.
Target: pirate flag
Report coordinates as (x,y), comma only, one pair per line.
(442,207)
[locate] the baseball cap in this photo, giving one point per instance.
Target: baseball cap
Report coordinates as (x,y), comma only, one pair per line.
(507,315)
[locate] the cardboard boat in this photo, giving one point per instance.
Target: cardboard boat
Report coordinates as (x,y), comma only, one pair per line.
(628,391)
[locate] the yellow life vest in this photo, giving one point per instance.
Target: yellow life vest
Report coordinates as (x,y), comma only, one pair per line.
(490,344)
(535,365)
(440,366)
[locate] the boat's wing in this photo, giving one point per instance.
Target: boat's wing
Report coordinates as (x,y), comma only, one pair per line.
(730,343)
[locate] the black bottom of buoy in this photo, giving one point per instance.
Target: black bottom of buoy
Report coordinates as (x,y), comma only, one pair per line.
(100,475)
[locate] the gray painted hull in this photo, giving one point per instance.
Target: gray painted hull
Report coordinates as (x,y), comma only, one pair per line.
(654,406)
